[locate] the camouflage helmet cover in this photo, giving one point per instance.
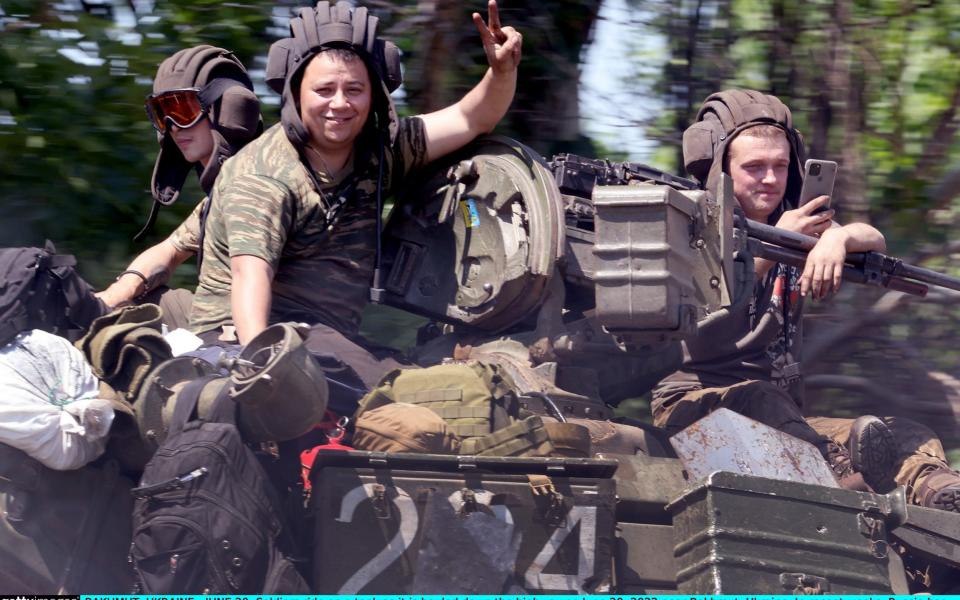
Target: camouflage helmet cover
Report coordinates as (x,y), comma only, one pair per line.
(722,117)
(234,114)
(313,30)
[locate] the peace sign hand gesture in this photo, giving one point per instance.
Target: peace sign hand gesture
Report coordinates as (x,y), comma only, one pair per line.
(502,44)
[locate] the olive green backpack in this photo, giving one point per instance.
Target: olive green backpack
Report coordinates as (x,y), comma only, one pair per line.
(477,401)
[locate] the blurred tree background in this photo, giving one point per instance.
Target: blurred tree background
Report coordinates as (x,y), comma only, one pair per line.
(873,85)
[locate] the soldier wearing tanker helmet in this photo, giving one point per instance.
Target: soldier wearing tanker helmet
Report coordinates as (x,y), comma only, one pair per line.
(292,231)
(204,110)
(747,358)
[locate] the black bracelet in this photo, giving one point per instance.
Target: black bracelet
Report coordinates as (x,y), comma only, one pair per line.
(138,274)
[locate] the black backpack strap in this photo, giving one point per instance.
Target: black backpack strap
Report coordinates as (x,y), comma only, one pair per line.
(10,329)
(154,210)
(187,399)
(224,408)
(45,261)
(19,469)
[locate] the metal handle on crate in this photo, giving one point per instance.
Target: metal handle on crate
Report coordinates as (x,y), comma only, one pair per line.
(803,584)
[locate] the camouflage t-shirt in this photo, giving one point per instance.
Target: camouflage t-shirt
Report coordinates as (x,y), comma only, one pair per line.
(186,237)
(320,243)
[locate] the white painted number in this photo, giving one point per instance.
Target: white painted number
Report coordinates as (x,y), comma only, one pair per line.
(535,578)
(406,531)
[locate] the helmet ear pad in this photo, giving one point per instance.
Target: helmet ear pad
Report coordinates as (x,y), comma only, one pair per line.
(169,172)
(392,74)
(700,140)
(237,116)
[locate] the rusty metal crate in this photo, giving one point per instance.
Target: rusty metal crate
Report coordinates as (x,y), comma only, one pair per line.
(431,524)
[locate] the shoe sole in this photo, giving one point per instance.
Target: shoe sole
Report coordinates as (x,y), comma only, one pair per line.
(872,450)
(948,500)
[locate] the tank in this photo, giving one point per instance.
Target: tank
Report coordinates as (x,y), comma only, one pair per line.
(579,277)
(643,257)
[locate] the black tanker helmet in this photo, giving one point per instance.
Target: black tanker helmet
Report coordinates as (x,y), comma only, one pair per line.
(725,115)
(226,92)
(326,26)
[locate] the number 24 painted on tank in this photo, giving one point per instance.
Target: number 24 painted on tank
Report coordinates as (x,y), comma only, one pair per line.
(409,521)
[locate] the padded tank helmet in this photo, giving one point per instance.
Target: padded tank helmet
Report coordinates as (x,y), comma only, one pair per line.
(313,30)
(233,109)
(725,115)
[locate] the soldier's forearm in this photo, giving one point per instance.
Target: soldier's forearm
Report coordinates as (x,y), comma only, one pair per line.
(151,269)
(250,295)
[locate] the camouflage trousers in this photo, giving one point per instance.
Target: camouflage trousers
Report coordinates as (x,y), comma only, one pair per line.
(760,400)
(174,304)
(919,450)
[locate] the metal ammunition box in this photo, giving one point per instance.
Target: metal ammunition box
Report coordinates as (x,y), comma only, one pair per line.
(653,268)
(431,524)
(644,558)
(737,534)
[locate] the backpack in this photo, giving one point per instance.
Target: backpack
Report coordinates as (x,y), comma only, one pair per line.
(478,402)
(63,532)
(206,519)
(40,290)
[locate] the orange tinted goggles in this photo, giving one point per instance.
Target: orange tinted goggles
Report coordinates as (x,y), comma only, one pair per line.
(182,107)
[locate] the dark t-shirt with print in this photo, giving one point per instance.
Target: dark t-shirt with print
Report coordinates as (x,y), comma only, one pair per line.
(758,339)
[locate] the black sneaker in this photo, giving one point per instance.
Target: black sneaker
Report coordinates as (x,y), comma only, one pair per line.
(873,451)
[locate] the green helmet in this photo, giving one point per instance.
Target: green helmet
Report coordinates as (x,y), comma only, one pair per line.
(279,389)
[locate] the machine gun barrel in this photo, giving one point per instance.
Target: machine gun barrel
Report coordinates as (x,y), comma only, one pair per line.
(875,268)
(797,258)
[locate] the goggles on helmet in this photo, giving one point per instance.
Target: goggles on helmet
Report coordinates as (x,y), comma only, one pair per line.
(183,107)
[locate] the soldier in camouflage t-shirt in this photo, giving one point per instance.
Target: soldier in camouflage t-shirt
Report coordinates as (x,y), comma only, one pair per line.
(211,112)
(318,242)
(290,230)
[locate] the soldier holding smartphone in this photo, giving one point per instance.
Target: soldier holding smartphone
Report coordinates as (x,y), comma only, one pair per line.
(759,160)
(747,356)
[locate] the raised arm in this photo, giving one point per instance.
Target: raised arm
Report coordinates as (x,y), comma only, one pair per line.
(480,110)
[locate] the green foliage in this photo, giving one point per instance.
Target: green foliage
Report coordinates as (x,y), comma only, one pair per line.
(872,84)
(77,151)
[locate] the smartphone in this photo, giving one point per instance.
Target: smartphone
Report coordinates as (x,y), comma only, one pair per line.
(818,179)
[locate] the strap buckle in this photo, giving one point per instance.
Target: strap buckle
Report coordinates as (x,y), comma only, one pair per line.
(549,500)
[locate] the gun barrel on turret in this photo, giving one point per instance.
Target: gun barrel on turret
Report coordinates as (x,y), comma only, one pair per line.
(871,268)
